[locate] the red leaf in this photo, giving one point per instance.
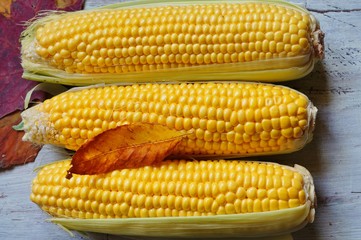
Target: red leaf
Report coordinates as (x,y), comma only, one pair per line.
(13,150)
(13,15)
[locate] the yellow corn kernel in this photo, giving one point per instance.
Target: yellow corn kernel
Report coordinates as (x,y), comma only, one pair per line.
(213,126)
(119,40)
(131,196)
(169,190)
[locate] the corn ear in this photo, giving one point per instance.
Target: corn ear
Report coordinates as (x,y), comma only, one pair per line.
(147,202)
(228,119)
(147,41)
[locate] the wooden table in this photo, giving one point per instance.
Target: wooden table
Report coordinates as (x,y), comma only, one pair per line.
(333,157)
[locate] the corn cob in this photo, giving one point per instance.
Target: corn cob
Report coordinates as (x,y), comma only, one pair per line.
(175,40)
(218,118)
(192,197)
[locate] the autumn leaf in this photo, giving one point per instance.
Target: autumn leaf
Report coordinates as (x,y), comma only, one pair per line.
(127,146)
(63,4)
(13,150)
(5,8)
(13,15)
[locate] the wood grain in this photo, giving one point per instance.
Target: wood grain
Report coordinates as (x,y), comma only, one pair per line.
(333,157)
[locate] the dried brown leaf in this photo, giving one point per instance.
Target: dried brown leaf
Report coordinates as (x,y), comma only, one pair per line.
(127,146)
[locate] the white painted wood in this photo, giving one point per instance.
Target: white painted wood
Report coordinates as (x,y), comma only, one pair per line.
(333,157)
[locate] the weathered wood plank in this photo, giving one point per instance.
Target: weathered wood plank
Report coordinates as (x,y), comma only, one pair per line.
(19,217)
(333,156)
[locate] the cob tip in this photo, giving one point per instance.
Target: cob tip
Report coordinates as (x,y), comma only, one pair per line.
(311,121)
(310,190)
(318,43)
(37,127)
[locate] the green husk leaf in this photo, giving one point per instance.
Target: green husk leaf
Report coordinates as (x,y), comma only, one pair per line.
(216,72)
(19,127)
(154,3)
(247,225)
(53,89)
(50,88)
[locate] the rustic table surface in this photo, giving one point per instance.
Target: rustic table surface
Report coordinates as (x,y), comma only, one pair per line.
(333,157)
